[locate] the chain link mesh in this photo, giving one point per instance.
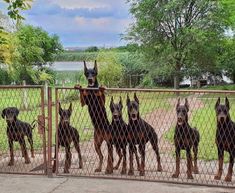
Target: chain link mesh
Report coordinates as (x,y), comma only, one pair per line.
(160,116)
(22,144)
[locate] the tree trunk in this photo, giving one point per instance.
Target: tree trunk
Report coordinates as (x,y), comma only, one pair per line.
(177,77)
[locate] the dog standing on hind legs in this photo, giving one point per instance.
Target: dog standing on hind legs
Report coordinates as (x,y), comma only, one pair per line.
(95,100)
(66,135)
(185,138)
(225,138)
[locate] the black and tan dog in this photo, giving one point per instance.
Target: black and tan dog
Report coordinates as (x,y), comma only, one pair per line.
(225,138)
(66,135)
(16,131)
(94,98)
(119,132)
(139,133)
(185,138)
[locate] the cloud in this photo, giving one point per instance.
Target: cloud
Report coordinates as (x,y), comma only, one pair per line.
(81,22)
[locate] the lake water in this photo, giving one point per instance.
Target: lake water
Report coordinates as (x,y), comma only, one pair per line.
(67,66)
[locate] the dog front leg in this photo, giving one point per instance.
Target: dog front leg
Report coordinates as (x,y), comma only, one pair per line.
(98,140)
(137,158)
(228,177)
(119,152)
(124,160)
(109,169)
(131,151)
(221,161)
(177,170)
(189,163)
(142,165)
(68,159)
(11,162)
(24,151)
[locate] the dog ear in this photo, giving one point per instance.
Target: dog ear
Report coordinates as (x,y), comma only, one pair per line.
(120,102)
(3,113)
(128,100)
(16,112)
(85,67)
(70,108)
(217,103)
(178,103)
(95,67)
(136,98)
(186,104)
(227,103)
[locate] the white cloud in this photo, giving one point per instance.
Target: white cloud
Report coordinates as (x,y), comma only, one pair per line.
(86,4)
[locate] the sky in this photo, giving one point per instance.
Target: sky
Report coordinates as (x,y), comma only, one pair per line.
(81,23)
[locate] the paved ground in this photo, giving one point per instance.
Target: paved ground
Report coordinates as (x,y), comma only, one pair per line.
(41,184)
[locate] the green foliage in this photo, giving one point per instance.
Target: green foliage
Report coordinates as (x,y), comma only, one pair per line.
(175,35)
(110,70)
(92,49)
(16,6)
(76,56)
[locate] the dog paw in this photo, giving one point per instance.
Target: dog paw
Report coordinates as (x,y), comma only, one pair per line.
(175,175)
(217,177)
(131,173)
(11,163)
(27,162)
(123,172)
(228,178)
(142,173)
(159,169)
(98,170)
(108,171)
(190,176)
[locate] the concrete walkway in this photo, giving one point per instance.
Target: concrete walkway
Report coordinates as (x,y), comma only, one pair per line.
(42,184)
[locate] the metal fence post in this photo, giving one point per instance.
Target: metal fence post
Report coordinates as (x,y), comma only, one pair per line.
(49,118)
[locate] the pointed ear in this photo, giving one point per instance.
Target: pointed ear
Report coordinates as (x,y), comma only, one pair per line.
(136,98)
(178,103)
(17,112)
(186,104)
(85,67)
(70,108)
(95,67)
(227,103)
(120,102)
(128,100)
(217,103)
(3,113)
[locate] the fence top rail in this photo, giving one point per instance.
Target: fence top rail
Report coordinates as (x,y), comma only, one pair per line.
(154,90)
(20,86)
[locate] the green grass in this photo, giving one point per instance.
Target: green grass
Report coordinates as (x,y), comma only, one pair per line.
(204,119)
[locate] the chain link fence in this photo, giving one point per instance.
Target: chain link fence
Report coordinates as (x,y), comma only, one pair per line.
(153,135)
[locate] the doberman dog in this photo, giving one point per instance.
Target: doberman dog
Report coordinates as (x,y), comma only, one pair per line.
(186,138)
(119,134)
(139,133)
(94,98)
(66,135)
(16,131)
(225,138)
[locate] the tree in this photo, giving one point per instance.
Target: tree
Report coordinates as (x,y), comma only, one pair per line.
(36,49)
(16,6)
(170,32)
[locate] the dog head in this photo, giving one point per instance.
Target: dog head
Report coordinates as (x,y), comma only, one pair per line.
(222,111)
(91,75)
(65,114)
(133,108)
(182,112)
(116,109)
(10,113)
